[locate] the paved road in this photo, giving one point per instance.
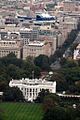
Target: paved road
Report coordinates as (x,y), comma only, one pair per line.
(67,53)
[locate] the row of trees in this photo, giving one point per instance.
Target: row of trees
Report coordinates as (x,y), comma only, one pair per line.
(55,108)
(61,113)
(67,77)
(12,94)
(11,67)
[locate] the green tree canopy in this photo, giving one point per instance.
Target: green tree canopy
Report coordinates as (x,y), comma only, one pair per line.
(41,95)
(12,94)
(43,62)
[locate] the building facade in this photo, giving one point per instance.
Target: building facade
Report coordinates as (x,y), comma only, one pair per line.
(36,48)
(10,46)
(71,6)
(31,87)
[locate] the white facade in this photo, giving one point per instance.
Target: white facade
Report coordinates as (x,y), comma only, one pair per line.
(31,87)
(1,93)
(77,53)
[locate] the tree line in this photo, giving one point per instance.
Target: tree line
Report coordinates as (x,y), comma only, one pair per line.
(55,108)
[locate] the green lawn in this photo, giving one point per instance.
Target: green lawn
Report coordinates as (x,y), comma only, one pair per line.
(22,111)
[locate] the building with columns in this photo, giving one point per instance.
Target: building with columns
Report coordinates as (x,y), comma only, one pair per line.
(31,87)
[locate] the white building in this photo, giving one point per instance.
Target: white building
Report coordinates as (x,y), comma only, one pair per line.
(1,93)
(31,87)
(77,53)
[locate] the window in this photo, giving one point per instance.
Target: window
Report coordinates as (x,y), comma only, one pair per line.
(30,90)
(21,88)
(40,89)
(30,94)
(27,89)
(33,90)
(36,89)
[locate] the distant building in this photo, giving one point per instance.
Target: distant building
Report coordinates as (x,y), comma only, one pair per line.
(20,32)
(77,53)
(67,23)
(49,36)
(28,34)
(71,6)
(9,46)
(31,87)
(1,93)
(35,48)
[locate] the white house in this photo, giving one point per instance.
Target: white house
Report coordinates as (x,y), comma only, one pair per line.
(31,87)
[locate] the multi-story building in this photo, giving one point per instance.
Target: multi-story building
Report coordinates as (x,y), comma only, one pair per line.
(20,32)
(49,35)
(29,34)
(31,87)
(35,48)
(67,23)
(71,6)
(10,46)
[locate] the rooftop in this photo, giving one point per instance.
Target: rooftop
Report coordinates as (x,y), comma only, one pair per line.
(36,43)
(28,81)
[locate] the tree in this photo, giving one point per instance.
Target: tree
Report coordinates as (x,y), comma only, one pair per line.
(56,113)
(14,71)
(50,101)
(41,95)
(37,72)
(71,74)
(77,84)
(12,94)
(78,62)
(68,63)
(31,70)
(3,85)
(42,61)
(11,55)
(11,59)
(60,80)
(62,113)
(12,67)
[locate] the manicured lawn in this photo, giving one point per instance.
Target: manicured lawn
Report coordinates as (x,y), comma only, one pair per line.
(22,111)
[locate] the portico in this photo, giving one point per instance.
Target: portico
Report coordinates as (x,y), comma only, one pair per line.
(31,87)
